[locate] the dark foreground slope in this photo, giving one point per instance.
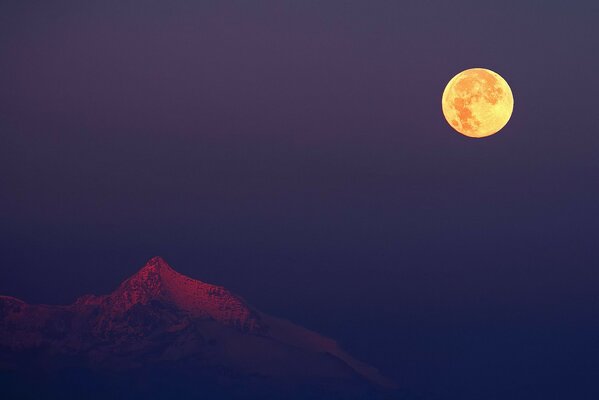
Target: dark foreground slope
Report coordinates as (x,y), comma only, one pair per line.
(163,335)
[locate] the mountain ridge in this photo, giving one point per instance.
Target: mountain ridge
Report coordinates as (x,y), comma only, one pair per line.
(157,280)
(159,316)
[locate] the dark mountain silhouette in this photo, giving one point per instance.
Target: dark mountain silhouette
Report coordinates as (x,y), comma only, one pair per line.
(161,334)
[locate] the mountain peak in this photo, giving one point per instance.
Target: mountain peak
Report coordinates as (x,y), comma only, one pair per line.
(151,277)
(159,316)
(158,263)
(157,281)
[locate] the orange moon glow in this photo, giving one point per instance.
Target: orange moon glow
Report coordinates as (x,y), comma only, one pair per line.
(477,102)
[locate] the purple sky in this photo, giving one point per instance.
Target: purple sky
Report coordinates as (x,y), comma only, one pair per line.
(296,153)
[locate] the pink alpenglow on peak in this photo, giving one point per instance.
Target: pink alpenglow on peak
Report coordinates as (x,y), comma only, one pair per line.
(159,317)
(158,281)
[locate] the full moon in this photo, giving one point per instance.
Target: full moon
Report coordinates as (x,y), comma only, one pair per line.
(477,102)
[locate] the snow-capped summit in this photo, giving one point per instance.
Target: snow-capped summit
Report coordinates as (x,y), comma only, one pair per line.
(163,320)
(158,281)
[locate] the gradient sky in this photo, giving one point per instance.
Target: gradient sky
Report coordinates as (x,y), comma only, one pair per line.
(296,153)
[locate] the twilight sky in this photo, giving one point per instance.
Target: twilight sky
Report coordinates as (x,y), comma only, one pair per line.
(296,153)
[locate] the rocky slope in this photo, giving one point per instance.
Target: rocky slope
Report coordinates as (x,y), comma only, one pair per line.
(161,320)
